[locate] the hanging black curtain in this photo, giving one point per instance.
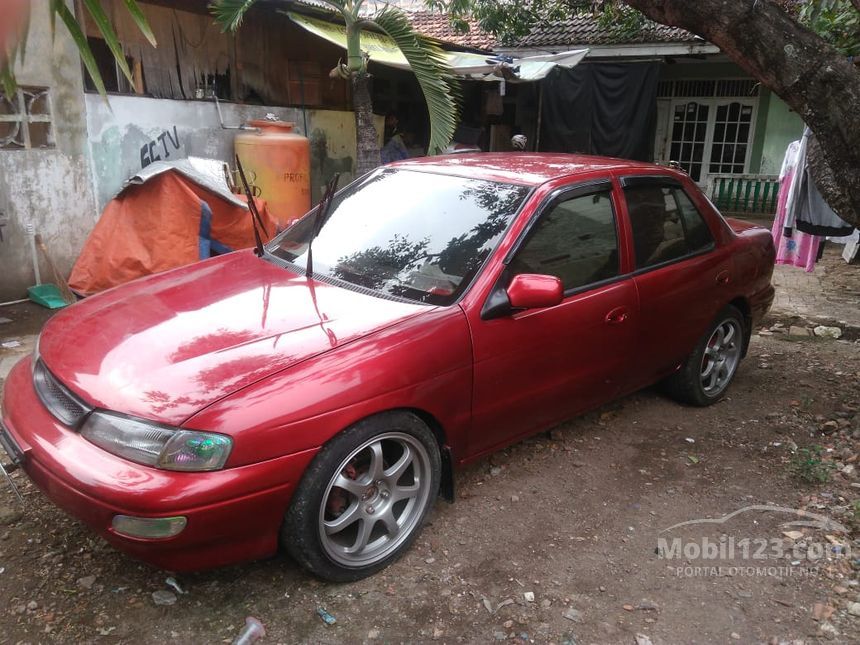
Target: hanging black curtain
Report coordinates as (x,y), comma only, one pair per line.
(601,108)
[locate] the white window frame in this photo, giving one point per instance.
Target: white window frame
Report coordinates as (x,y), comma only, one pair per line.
(663,134)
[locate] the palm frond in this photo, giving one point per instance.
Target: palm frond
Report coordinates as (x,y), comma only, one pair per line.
(229,13)
(107,31)
(7,81)
(60,9)
(140,21)
(434,75)
(14,52)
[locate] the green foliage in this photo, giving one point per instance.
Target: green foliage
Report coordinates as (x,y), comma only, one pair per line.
(140,20)
(60,10)
(428,63)
(506,20)
(101,20)
(836,21)
(230,13)
(620,22)
(808,465)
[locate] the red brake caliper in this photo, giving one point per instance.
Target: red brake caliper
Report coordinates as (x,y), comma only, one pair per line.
(338,499)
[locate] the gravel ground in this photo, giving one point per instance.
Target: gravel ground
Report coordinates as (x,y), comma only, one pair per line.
(553,540)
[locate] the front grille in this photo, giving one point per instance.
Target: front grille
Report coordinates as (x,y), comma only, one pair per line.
(60,402)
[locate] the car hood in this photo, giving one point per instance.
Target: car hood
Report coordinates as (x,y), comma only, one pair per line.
(168,345)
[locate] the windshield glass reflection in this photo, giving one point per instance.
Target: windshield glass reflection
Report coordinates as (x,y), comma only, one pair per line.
(414,235)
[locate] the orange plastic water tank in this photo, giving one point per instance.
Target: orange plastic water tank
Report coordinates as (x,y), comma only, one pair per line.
(277,160)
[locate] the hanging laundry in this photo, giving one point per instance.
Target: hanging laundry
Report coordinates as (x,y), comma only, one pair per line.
(806,209)
(793,247)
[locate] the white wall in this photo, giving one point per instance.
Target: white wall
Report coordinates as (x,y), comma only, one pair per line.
(49,188)
(99,144)
(133,131)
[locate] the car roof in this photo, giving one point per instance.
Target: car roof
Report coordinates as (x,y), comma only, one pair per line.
(526,168)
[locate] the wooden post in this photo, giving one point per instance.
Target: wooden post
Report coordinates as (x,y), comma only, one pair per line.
(137,77)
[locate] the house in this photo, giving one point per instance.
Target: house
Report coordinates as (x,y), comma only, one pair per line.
(65,151)
(679,94)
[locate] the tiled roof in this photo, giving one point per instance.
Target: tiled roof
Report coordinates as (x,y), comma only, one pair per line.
(438,25)
(585,30)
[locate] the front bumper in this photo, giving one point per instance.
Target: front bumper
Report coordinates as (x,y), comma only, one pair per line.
(233,515)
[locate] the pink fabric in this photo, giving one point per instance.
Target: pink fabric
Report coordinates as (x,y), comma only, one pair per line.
(800,249)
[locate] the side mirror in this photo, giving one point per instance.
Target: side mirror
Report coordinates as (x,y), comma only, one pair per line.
(534,291)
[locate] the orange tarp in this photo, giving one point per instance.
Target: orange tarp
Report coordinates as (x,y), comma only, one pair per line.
(156,226)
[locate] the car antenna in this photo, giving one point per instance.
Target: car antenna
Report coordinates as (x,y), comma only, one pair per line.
(319,219)
(255,214)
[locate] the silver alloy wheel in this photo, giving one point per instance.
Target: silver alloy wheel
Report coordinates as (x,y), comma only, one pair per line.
(721,358)
(375,499)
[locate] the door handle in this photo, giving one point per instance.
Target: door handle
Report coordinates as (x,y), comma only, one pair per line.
(724,277)
(617,316)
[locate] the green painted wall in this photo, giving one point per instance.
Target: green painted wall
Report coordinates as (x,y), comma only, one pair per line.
(782,127)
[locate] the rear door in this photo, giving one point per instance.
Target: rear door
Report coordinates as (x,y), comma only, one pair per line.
(682,277)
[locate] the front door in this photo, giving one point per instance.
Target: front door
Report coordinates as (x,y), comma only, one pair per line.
(709,137)
(689,135)
(537,367)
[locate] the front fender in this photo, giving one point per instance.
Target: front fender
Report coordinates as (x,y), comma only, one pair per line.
(423,363)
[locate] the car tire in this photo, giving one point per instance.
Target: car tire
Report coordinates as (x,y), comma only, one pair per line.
(364,498)
(709,370)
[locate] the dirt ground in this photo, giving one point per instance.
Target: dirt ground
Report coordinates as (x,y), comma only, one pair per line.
(553,540)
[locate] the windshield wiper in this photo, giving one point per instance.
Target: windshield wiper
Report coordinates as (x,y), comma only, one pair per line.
(255,214)
(319,219)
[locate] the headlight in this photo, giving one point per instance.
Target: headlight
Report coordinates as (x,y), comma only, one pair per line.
(154,445)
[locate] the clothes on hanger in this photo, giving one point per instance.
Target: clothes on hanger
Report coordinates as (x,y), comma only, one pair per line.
(795,247)
(806,209)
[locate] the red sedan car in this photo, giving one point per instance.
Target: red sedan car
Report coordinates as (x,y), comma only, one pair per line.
(455,305)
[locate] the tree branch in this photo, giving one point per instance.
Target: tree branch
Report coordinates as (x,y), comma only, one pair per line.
(810,75)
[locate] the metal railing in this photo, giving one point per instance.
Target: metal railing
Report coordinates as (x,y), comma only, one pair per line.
(740,194)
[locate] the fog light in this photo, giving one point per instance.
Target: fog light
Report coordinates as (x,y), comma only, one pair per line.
(148,527)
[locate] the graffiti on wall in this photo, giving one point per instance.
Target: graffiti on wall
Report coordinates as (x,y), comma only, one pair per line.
(158,148)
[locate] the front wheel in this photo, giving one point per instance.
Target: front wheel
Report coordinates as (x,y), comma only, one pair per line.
(364,498)
(709,370)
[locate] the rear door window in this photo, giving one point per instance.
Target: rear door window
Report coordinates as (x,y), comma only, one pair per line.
(666,224)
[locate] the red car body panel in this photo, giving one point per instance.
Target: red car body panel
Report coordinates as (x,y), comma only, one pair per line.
(94,485)
(200,333)
(283,363)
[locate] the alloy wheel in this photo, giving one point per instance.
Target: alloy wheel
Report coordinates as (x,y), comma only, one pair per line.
(721,357)
(375,499)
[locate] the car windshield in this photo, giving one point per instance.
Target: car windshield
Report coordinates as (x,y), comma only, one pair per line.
(409,234)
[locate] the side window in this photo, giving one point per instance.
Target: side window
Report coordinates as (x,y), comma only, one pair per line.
(575,240)
(698,234)
(666,224)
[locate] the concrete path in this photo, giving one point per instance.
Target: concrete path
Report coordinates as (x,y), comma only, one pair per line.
(830,293)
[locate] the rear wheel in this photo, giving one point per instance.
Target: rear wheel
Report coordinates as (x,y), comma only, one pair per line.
(709,370)
(364,498)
